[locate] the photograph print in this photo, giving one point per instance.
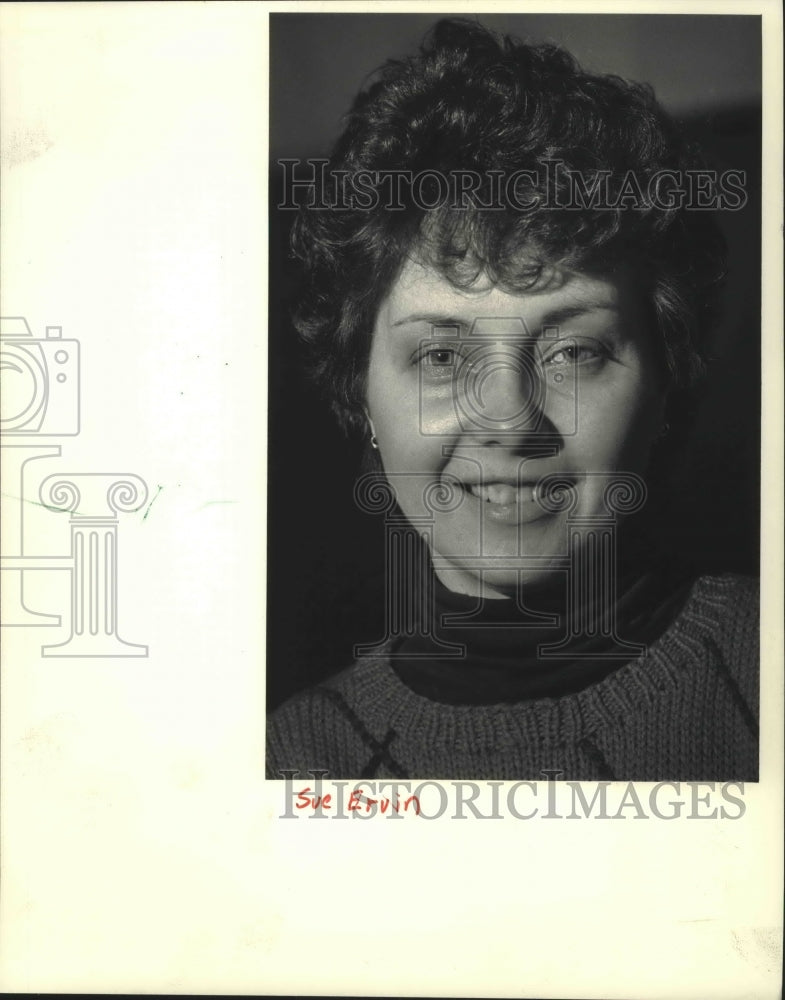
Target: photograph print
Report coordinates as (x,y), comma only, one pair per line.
(514,396)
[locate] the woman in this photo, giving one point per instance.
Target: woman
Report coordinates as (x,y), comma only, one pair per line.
(507,290)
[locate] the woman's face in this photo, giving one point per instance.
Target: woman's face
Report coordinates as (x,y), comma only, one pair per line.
(483,392)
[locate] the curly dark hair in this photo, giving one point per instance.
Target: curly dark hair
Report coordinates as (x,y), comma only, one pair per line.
(471,101)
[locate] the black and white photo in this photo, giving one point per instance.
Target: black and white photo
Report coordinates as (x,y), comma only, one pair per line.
(526,293)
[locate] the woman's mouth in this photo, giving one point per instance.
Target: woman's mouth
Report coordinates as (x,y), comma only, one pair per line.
(502,493)
(505,503)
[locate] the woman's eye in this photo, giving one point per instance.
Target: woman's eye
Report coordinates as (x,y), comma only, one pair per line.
(438,364)
(440,357)
(574,354)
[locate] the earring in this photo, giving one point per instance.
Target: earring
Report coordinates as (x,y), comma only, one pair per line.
(374,442)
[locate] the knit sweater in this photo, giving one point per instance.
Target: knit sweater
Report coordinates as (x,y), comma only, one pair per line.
(685,711)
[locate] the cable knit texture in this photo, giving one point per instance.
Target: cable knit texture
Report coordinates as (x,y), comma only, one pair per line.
(686,711)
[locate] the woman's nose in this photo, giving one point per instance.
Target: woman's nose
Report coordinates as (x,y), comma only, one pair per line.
(501,392)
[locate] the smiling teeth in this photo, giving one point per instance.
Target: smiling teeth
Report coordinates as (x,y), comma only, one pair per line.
(501,493)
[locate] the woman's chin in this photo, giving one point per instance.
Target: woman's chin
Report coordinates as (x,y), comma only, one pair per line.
(500,582)
(499,562)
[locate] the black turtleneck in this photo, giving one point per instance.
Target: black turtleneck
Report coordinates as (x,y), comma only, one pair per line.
(506,657)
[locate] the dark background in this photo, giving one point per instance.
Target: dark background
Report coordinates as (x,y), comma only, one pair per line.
(325,568)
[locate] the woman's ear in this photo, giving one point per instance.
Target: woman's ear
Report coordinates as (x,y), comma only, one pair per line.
(371,428)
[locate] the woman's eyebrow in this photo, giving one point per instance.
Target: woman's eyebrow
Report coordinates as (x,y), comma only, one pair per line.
(563,313)
(560,314)
(435,319)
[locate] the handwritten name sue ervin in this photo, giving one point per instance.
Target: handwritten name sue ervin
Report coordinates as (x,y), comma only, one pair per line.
(309,801)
